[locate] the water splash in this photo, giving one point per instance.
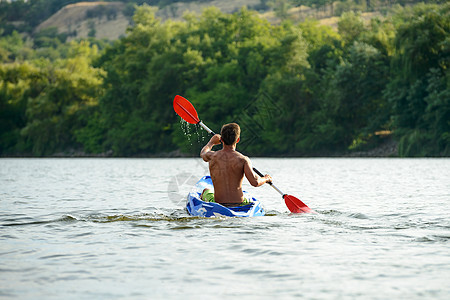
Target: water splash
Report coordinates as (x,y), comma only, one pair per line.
(186,130)
(201,137)
(189,131)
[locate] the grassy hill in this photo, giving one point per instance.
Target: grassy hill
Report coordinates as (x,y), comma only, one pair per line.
(108,20)
(325,16)
(80,20)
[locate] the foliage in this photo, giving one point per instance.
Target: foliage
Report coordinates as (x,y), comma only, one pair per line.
(295,89)
(421,80)
(280,7)
(44,102)
(218,59)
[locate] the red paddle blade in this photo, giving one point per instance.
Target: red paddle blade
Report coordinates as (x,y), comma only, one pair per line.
(185,109)
(296,206)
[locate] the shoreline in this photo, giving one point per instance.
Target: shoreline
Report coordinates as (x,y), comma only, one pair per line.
(385,150)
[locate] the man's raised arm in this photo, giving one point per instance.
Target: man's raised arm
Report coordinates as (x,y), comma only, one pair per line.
(206,152)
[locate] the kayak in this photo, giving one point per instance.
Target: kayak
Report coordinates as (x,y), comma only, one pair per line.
(199,208)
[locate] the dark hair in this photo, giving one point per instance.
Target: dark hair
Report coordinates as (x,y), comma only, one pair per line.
(230,133)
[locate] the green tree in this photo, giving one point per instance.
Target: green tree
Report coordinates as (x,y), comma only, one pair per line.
(15,80)
(126,105)
(420,65)
(356,93)
(14,48)
(350,27)
(218,60)
(65,90)
(281,8)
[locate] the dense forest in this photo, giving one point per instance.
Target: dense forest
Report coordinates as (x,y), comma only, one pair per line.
(296,89)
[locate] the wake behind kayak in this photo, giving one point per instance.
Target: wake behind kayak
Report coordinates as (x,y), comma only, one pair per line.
(199,208)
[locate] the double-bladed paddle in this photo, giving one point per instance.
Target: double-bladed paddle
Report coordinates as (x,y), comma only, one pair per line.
(186,110)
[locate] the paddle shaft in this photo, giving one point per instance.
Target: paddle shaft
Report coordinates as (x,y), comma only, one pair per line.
(271,184)
(206,127)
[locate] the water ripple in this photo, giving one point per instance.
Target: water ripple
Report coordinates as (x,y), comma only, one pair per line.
(381,232)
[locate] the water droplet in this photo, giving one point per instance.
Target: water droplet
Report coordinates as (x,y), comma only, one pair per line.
(186,130)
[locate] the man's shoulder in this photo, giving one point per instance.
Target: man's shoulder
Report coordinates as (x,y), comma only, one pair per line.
(242,156)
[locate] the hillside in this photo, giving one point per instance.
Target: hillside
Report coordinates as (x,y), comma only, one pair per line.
(325,17)
(75,18)
(107,20)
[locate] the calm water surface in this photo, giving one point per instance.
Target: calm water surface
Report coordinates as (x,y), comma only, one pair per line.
(116,228)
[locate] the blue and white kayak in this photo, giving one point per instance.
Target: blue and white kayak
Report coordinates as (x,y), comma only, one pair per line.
(199,208)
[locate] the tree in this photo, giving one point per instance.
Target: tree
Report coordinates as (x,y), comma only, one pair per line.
(14,79)
(218,59)
(420,66)
(57,102)
(281,8)
(356,93)
(350,27)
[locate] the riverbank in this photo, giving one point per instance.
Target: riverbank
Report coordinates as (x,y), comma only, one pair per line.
(389,148)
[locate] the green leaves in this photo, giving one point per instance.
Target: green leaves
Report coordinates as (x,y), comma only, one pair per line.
(296,89)
(350,27)
(47,101)
(419,92)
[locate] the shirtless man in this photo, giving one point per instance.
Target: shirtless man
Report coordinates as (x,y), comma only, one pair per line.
(227,167)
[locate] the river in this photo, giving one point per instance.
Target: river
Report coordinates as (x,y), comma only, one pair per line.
(80,228)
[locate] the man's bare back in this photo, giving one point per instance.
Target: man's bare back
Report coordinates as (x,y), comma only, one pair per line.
(227,172)
(227,168)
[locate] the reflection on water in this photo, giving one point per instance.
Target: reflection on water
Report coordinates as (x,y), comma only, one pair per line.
(117,228)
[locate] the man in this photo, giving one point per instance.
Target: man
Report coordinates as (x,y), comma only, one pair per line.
(228,167)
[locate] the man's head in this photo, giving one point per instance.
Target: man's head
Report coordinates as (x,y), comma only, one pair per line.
(230,133)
